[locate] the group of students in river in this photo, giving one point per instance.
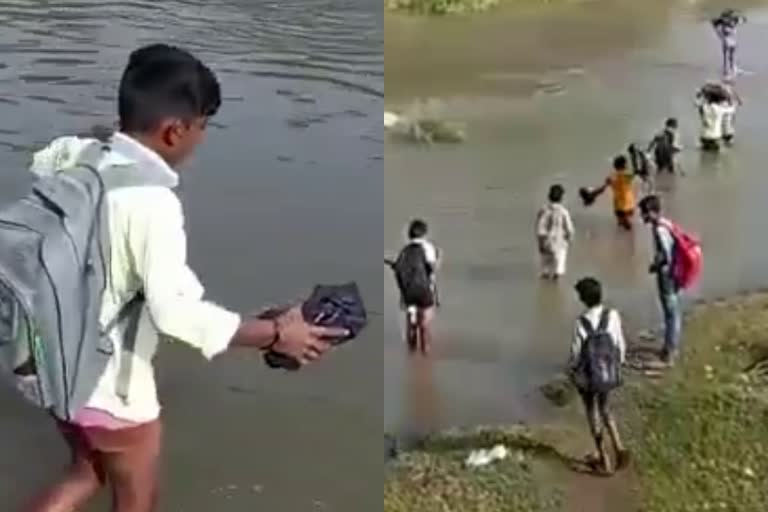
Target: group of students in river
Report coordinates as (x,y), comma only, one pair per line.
(598,349)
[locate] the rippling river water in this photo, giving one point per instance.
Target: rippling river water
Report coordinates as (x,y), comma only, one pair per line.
(285,193)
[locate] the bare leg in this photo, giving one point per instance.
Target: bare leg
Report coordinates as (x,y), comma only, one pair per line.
(622,455)
(725,61)
(131,460)
(411,331)
(731,61)
(593,418)
(425,328)
(83,479)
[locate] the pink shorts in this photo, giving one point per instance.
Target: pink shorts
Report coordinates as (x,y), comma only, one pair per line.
(97,418)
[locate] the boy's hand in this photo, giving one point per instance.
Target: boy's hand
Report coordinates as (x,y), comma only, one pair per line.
(301,341)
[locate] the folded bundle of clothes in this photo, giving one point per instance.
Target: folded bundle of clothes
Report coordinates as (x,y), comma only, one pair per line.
(329,306)
(588,195)
(714,92)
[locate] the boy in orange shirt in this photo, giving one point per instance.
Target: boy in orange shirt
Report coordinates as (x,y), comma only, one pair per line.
(622,184)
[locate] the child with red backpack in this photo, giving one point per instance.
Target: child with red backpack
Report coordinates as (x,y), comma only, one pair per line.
(676,264)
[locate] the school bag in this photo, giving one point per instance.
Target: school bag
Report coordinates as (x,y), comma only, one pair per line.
(599,365)
(54,267)
(639,160)
(687,256)
(412,274)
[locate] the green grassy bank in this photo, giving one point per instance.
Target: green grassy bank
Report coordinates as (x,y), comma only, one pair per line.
(439,7)
(699,436)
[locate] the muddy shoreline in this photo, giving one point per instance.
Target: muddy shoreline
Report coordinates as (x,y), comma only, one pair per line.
(697,435)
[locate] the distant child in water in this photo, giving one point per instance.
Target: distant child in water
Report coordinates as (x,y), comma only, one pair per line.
(665,146)
(415,272)
(621,182)
(714,104)
(725,27)
(554,232)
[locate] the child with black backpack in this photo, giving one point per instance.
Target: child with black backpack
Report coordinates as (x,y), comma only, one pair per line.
(665,146)
(597,353)
(415,269)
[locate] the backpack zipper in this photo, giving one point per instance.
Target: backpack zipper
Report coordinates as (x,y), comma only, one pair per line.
(26,309)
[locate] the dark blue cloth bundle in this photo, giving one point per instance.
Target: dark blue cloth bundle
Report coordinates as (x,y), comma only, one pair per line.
(329,306)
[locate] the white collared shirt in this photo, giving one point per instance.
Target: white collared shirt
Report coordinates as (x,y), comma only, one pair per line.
(148,253)
(712,118)
(431,254)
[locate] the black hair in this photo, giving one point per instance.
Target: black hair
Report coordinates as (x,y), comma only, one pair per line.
(556,193)
(650,204)
(620,162)
(671,123)
(162,81)
(590,291)
(417,229)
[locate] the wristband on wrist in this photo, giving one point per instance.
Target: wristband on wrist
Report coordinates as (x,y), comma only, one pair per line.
(275,336)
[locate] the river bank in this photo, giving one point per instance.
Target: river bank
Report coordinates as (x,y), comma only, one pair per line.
(440,7)
(697,435)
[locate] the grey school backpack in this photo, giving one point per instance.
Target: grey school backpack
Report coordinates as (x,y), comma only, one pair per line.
(54,266)
(599,366)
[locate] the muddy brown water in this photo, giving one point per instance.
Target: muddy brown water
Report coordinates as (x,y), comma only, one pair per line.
(551,96)
(286,193)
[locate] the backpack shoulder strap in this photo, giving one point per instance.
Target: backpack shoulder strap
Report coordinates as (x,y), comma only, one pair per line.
(131,316)
(605,317)
(586,325)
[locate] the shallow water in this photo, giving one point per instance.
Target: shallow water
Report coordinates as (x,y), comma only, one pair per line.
(285,193)
(548,97)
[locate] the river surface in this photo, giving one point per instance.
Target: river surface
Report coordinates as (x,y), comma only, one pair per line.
(551,96)
(286,193)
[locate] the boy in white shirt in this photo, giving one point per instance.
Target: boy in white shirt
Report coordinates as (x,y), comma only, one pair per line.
(713,106)
(165,99)
(554,233)
(598,324)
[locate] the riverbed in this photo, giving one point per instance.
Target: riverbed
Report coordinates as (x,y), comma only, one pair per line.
(552,95)
(286,193)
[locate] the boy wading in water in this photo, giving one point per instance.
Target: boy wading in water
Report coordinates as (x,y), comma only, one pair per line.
(554,233)
(415,272)
(165,99)
(716,108)
(665,146)
(597,353)
(621,183)
(725,27)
